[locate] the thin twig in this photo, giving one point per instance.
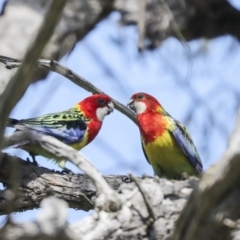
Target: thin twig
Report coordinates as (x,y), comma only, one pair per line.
(21,80)
(69,74)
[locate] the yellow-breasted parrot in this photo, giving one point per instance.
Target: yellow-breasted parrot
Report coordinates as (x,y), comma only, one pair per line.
(166,143)
(76,126)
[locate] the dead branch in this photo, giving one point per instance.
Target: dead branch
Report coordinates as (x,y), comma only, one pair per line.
(54,66)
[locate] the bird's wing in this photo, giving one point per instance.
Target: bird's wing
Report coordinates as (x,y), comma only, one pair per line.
(68,126)
(185,142)
(145,154)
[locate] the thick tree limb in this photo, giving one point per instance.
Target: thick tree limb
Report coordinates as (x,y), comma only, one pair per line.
(37,183)
(109,200)
(54,66)
(167,199)
(214,206)
(131,221)
(21,80)
(131,216)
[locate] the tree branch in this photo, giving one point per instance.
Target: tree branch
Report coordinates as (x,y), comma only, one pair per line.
(195,19)
(130,221)
(54,66)
(215,209)
(21,80)
(109,199)
(216,200)
(36,183)
(125,210)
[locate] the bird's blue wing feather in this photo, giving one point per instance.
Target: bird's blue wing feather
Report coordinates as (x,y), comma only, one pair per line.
(186,144)
(67,126)
(64,132)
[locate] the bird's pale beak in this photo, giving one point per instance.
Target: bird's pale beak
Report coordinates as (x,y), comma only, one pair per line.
(110,107)
(130,104)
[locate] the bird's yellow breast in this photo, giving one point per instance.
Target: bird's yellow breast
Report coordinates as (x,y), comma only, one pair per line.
(166,157)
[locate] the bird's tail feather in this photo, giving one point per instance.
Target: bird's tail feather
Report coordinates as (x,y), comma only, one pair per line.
(12,122)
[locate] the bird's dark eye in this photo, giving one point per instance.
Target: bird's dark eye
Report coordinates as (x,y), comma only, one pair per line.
(140,96)
(101,100)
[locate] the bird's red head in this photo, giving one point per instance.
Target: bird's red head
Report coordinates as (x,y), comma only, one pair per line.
(96,106)
(142,102)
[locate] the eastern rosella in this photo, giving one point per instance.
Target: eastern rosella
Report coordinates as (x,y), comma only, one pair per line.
(76,126)
(166,143)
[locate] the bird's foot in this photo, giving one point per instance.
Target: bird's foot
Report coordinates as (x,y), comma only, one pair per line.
(34,162)
(33,159)
(67,171)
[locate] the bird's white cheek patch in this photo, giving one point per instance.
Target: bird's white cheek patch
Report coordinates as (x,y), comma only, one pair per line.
(140,107)
(101,113)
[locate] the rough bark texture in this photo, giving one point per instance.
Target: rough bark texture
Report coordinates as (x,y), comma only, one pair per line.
(167,199)
(37,183)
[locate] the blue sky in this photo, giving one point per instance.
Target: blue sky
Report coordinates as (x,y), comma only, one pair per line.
(205,102)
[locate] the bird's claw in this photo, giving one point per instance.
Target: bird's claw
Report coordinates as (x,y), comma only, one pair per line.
(67,171)
(34,162)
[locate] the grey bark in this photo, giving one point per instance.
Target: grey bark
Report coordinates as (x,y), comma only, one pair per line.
(37,183)
(132,221)
(212,210)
